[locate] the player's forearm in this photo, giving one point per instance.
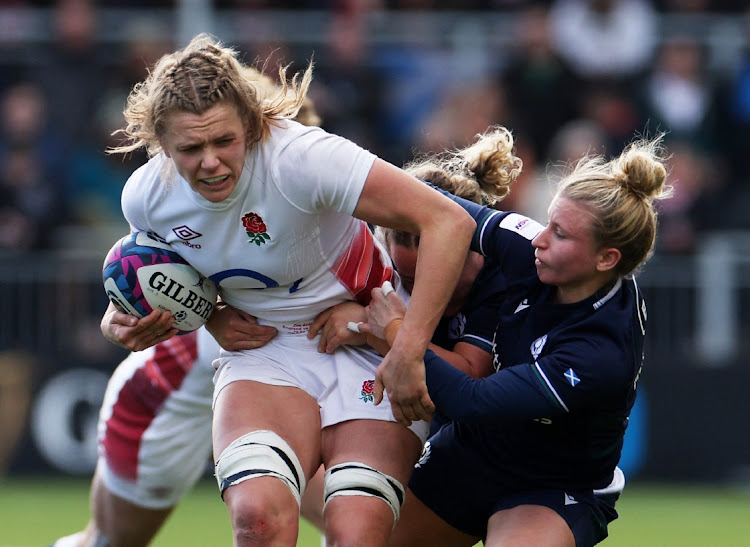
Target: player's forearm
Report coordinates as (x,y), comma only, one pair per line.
(455,359)
(509,394)
(442,254)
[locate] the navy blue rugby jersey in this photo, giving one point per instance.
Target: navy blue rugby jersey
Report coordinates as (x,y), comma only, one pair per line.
(475,322)
(554,413)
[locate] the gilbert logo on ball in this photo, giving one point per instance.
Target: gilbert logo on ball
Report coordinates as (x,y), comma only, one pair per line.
(142,273)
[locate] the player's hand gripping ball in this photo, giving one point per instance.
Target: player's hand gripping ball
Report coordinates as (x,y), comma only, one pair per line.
(142,273)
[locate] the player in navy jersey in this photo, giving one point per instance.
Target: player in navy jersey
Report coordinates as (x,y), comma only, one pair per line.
(483,173)
(530,455)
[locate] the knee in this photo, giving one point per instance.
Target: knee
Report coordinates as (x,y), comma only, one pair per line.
(262,482)
(357,521)
(260,518)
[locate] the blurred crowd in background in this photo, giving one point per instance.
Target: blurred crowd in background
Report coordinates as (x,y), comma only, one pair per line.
(567,77)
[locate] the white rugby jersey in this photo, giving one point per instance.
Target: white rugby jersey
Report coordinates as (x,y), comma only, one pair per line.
(284,246)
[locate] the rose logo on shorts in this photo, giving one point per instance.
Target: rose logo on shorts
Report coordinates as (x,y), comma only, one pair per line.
(256,228)
(368,391)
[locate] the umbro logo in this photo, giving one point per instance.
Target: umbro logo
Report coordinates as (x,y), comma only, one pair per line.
(186,233)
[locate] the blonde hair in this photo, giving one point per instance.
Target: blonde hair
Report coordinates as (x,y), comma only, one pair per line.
(271,91)
(482,172)
(203,74)
(620,194)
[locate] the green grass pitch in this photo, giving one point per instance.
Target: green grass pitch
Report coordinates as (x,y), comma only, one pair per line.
(33,512)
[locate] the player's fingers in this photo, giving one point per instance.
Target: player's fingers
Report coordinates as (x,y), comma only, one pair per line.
(154,324)
(258,333)
(332,342)
(124,319)
(378,390)
(147,339)
(332,339)
(376,294)
(365,328)
(387,288)
(152,318)
(162,327)
(423,410)
(401,415)
(318,323)
(410,411)
(165,335)
(240,345)
(338,338)
(428,404)
(246,316)
(323,341)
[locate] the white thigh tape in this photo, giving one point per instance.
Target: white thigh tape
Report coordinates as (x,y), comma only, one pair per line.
(260,454)
(358,479)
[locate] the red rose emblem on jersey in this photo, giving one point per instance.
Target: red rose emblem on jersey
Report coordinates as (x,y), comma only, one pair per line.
(368,391)
(255,228)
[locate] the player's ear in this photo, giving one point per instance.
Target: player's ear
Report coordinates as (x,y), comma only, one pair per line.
(165,149)
(608,259)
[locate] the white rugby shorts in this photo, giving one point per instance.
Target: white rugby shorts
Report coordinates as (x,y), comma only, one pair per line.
(155,422)
(341,383)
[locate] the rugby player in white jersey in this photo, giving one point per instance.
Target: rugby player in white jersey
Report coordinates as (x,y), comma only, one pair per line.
(276,214)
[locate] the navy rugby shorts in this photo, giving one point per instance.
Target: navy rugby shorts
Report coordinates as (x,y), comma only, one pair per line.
(459,487)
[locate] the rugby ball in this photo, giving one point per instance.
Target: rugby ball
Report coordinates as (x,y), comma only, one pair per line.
(142,273)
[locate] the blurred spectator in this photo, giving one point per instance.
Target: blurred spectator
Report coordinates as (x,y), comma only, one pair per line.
(613,107)
(30,171)
(95,178)
(679,95)
(465,112)
(579,138)
(14,25)
(418,80)
(72,70)
(535,74)
(605,39)
(346,89)
(76,74)
(696,203)
(146,41)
